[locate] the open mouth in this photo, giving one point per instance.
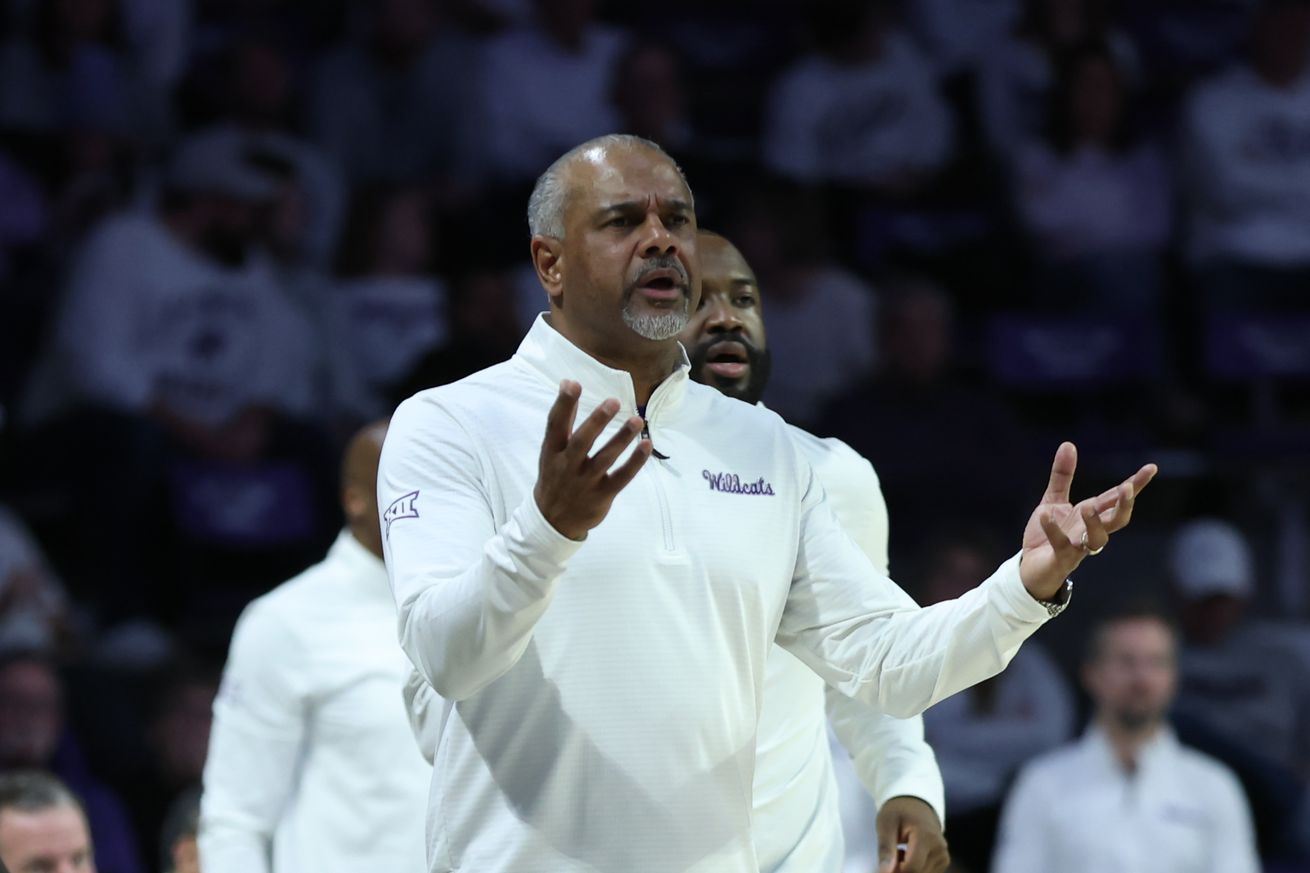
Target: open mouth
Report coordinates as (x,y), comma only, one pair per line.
(728,359)
(662,285)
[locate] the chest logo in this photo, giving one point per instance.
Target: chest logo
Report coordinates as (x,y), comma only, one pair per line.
(731,483)
(401,507)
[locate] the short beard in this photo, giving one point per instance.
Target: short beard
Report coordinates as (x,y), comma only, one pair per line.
(760,361)
(1136,720)
(657,326)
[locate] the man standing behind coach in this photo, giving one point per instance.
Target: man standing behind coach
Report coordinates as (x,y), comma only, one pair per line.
(600,648)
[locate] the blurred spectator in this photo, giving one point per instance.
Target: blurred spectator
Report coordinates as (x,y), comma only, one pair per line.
(485,329)
(822,315)
(547,88)
(396,106)
(178,838)
(1128,796)
(1094,199)
(23,211)
(1247,137)
(69,69)
(1016,79)
(33,736)
(905,418)
(389,309)
(650,96)
(1244,695)
(178,740)
(983,734)
(42,826)
(960,33)
(863,110)
(34,612)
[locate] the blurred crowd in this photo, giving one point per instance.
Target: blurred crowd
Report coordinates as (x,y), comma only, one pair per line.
(233,231)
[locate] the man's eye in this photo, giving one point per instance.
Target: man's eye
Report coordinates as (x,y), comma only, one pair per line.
(745,300)
(619,221)
(676,221)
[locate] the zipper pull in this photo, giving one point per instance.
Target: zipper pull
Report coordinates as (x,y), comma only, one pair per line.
(645,434)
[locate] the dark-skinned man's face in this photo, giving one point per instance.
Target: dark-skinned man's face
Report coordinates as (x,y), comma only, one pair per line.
(627,270)
(725,338)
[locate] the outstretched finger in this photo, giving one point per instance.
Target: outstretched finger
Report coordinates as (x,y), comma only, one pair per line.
(559,421)
(581,440)
(1096,534)
(619,479)
(1109,498)
(1121,513)
(1054,534)
(609,453)
(1062,470)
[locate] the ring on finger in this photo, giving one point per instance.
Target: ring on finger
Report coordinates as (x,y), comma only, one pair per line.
(1088,549)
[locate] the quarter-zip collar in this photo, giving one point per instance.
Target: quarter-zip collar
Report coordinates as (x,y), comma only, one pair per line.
(546,350)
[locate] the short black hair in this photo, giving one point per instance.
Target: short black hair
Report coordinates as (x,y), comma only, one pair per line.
(1143,609)
(34,791)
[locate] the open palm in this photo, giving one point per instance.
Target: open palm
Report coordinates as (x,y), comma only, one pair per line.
(1060,534)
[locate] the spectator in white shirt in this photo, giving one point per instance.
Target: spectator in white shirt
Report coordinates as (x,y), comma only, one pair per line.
(1247,164)
(311,764)
(547,87)
(1128,796)
(1095,201)
(985,733)
(864,111)
(600,649)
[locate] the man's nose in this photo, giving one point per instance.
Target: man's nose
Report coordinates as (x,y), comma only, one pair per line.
(720,317)
(658,240)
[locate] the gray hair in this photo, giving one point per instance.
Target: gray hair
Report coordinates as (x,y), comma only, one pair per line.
(34,791)
(550,195)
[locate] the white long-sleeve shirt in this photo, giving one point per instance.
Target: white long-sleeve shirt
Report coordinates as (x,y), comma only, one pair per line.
(311,765)
(797,821)
(602,696)
(1076,810)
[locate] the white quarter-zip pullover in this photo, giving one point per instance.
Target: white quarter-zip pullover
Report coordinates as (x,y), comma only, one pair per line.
(797,821)
(602,696)
(1076,810)
(311,765)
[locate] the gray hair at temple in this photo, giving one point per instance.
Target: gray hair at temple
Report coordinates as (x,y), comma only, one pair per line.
(550,196)
(34,791)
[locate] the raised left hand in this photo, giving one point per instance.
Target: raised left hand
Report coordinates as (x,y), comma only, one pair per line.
(1061,534)
(911,822)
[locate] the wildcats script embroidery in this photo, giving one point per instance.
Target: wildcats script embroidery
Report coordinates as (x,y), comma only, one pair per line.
(731,483)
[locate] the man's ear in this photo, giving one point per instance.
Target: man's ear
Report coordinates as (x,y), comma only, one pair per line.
(548,260)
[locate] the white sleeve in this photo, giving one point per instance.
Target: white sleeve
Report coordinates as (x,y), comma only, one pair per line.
(1023,838)
(868,639)
(1234,849)
(469,591)
(254,745)
(421,703)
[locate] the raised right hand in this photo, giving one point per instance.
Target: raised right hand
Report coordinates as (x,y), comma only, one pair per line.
(575,489)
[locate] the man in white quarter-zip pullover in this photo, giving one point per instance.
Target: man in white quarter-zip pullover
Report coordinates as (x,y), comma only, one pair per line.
(797,820)
(311,765)
(1127,797)
(597,623)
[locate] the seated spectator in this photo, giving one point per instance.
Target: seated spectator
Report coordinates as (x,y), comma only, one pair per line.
(42,826)
(821,315)
(174,341)
(985,733)
(547,88)
(34,610)
(1247,160)
(863,111)
(389,309)
(1244,696)
(33,736)
(1127,796)
(1016,78)
(1094,200)
(650,98)
(395,107)
(905,417)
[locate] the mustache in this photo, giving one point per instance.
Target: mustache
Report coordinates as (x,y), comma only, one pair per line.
(701,351)
(661,262)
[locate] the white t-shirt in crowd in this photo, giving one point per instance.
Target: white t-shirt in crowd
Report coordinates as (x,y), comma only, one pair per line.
(1247,148)
(822,342)
(148,320)
(979,750)
(311,765)
(601,697)
(539,99)
(1076,810)
(380,326)
(1093,202)
(830,122)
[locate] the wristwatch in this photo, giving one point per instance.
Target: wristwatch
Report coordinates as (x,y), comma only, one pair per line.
(1060,602)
